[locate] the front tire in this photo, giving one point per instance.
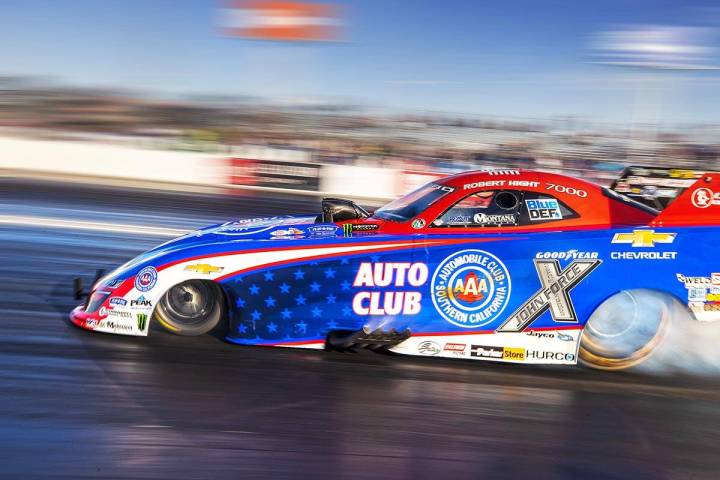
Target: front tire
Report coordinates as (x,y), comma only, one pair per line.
(191,308)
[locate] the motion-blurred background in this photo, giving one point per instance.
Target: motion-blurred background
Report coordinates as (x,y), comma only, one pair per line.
(365,98)
(126,123)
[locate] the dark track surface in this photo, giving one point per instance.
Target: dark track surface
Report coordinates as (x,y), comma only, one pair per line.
(78,405)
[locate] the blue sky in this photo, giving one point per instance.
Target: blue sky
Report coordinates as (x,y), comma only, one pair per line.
(512,58)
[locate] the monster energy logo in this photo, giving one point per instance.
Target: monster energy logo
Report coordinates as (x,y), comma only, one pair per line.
(554,295)
(347,229)
(141,321)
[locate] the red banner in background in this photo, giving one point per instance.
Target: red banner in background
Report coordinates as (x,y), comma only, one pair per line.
(282,21)
(275,174)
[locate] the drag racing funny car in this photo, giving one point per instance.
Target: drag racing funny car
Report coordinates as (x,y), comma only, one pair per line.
(498,265)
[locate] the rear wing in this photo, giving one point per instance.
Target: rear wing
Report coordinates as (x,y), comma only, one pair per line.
(655,187)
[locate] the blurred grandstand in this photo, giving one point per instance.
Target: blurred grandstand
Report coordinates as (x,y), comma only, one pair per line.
(336,134)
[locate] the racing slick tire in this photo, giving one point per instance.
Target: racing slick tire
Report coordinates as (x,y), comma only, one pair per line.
(625,330)
(190,308)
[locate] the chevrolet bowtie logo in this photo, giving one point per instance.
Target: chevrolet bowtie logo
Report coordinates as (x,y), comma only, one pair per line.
(203,268)
(644,238)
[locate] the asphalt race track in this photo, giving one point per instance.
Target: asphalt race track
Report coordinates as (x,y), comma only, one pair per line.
(76,405)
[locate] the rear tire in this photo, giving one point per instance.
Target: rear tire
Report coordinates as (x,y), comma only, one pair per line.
(625,330)
(191,308)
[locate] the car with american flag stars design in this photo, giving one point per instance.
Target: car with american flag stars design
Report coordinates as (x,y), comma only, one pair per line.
(498,265)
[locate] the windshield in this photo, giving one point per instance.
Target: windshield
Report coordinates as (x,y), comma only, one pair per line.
(413,204)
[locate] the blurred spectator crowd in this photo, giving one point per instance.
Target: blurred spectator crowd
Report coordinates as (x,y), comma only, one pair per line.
(336,133)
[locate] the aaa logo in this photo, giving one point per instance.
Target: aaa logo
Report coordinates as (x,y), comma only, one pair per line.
(471,288)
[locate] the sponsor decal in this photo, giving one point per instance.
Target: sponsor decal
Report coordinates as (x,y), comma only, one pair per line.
(203,268)
(546,209)
(523,183)
(428,348)
(322,230)
(498,353)
(554,295)
(116,313)
(146,279)
(567,255)
(643,255)
(103,312)
(91,323)
(385,274)
(455,348)
(543,355)
(349,228)
(141,321)
(565,337)
(696,294)
(703,292)
(533,333)
(251,226)
(486,352)
(112,325)
(418,223)
(484,219)
(569,190)
(117,302)
(644,238)
(292,231)
(490,183)
(364,227)
(140,302)
(705,282)
(470,288)
(704,197)
(550,335)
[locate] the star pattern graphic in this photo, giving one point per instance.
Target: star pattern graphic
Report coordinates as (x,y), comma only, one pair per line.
(296,302)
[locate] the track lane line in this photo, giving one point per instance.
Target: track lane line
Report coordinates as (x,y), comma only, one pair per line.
(49,222)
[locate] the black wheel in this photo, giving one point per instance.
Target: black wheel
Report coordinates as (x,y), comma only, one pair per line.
(625,330)
(191,308)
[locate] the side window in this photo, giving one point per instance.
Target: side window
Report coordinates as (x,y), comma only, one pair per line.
(503,208)
(491,208)
(541,208)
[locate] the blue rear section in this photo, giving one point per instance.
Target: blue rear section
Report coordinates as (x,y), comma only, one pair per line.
(303,301)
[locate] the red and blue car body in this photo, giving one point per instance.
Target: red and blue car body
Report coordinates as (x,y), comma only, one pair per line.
(503,265)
